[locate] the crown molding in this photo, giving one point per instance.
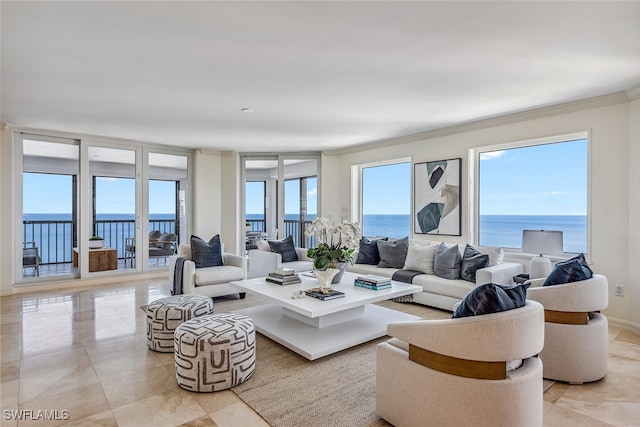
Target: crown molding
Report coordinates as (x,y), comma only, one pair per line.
(507,119)
(633,93)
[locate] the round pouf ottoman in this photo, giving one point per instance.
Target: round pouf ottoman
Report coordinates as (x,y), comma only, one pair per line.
(215,352)
(164,315)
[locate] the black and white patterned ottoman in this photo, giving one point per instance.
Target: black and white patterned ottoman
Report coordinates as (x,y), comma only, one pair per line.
(215,352)
(164,315)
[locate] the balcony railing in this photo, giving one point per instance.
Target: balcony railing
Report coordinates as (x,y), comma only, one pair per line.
(296,228)
(55,238)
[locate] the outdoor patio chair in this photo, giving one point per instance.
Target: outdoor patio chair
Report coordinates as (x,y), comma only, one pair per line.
(31,256)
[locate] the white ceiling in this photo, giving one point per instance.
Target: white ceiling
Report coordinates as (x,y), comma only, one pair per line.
(318,75)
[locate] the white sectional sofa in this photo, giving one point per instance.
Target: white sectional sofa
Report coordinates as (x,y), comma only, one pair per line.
(262,261)
(441,292)
(445,293)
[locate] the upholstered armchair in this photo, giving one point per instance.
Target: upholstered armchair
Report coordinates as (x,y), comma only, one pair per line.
(456,372)
(576,334)
(209,281)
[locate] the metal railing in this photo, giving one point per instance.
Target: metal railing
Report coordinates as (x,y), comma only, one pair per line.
(296,228)
(55,238)
(256,225)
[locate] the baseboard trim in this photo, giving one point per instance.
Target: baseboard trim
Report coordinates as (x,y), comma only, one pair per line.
(624,324)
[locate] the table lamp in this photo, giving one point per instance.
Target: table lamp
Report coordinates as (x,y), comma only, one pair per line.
(541,242)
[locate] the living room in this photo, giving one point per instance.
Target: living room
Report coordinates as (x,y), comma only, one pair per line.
(611,118)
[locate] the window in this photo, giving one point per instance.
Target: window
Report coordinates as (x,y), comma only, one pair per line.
(386,200)
(536,185)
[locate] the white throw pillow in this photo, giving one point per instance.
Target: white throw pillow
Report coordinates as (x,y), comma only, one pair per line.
(496,255)
(263,245)
(420,258)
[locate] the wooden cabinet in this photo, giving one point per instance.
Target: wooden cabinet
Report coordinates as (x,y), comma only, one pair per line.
(102,259)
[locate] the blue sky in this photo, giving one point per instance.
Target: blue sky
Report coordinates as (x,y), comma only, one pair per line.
(48,193)
(546,179)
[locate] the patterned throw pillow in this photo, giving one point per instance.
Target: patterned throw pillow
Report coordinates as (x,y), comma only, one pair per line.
(491,298)
(472,261)
(285,248)
(571,270)
(206,254)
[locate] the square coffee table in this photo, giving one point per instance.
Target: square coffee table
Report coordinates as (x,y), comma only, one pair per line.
(314,328)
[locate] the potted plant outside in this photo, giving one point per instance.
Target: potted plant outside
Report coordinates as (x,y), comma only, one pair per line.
(96,242)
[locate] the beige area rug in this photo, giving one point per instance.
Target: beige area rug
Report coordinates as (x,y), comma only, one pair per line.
(289,390)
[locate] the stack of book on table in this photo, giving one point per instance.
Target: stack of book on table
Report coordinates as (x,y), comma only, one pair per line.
(371,281)
(324,296)
(283,276)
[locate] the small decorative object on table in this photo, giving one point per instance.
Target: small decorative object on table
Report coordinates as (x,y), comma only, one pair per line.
(520,279)
(336,244)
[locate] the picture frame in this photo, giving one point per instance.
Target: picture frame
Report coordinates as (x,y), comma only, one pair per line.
(437,197)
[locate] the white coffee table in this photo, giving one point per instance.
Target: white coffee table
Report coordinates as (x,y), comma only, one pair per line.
(315,328)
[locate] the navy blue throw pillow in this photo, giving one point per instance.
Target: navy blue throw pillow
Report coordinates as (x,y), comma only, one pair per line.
(491,298)
(206,254)
(571,270)
(472,261)
(368,251)
(285,248)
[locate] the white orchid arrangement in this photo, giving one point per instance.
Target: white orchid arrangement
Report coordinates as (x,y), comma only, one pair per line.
(336,242)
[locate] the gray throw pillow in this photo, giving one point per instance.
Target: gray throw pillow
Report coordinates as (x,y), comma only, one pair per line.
(393,254)
(447,262)
(472,260)
(368,251)
(285,248)
(491,298)
(206,254)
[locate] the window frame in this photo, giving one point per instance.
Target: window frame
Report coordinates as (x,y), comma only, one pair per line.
(474,183)
(357,178)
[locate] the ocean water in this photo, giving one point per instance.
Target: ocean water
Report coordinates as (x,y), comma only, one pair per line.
(495,230)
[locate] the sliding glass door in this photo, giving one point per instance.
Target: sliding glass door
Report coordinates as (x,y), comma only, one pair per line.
(92,208)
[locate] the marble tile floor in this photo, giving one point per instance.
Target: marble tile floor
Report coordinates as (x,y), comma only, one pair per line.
(80,354)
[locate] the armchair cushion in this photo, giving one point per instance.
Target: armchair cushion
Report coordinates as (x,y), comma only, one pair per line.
(206,254)
(571,270)
(491,298)
(446,262)
(285,248)
(472,260)
(393,254)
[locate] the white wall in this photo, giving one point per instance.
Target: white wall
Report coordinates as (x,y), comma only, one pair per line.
(6,210)
(207,194)
(633,283)
(609,178)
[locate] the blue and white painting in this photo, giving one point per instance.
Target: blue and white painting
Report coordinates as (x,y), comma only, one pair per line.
(437,197)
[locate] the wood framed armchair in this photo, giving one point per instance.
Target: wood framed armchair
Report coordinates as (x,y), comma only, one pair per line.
(31,256)
(456,372)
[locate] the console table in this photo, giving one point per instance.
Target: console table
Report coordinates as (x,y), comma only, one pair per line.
(101,259)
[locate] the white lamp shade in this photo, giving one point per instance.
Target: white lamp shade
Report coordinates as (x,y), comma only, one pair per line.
(542,242)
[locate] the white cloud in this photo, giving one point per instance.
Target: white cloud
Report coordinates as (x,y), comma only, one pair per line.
(312,193)
(492,155)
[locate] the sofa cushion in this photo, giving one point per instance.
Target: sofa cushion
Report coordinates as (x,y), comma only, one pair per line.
(217,275)
(263,245)
(491,298)
(571,270)
(299,266)
(368,251)
(437,285)
(472,260)
(393,254)
(420,258)
(371,269)
(285,248)
(496,255)
(206,254)
(446,262)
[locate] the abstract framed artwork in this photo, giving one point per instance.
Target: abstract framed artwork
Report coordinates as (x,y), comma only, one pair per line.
(436,197)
